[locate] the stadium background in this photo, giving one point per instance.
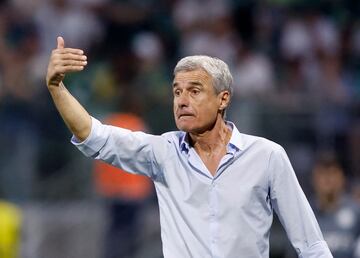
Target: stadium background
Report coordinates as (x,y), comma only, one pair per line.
(296,66)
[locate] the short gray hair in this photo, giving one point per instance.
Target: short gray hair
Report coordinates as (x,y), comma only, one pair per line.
(215,67)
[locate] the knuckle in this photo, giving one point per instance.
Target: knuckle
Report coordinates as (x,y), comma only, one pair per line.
(55,57)
(57,69)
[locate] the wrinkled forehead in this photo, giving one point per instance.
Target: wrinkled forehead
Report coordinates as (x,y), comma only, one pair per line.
(196,76)
(198,73)
(190,69)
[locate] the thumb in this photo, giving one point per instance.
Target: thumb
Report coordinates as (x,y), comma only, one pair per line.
(60,43)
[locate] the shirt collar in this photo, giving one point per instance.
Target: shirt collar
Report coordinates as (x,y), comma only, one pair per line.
(236,140)
(235,144)
(184,142)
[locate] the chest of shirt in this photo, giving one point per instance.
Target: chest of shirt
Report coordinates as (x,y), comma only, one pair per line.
(240,181)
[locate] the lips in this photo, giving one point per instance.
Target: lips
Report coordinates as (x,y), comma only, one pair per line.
(185,115)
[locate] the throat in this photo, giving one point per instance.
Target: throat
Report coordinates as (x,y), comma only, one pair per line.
(212,160)
(212,146)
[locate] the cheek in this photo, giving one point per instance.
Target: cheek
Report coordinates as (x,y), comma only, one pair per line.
(209,108)
(175,105)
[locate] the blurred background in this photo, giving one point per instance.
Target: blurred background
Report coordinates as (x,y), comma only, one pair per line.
(296,68)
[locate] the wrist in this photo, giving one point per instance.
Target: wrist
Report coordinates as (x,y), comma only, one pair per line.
(56,88)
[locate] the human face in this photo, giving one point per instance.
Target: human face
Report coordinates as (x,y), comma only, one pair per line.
(196,104)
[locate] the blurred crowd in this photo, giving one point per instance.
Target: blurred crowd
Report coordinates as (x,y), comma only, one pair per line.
(296,68)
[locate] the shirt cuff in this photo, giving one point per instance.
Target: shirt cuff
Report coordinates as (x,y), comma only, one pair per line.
(94,142)
(318,250)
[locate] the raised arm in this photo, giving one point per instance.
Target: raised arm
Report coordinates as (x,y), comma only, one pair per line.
(64,60)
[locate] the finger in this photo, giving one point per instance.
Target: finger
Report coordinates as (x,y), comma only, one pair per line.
(69,62)
(75,51)
(60,43)
(70,68)
(73,63)
(74,57)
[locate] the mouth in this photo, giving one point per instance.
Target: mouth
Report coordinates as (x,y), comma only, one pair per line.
(185,115)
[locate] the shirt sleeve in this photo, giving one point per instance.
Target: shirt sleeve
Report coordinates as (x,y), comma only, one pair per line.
(134,152)
(293,209)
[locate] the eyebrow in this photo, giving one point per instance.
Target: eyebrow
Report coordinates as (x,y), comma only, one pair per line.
(192,83)
(196,83)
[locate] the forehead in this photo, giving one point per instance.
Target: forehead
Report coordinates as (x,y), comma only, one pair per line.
(198,75)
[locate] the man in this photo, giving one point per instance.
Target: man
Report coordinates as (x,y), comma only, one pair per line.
(216,188)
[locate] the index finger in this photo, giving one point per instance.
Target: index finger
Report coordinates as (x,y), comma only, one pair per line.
(69,51)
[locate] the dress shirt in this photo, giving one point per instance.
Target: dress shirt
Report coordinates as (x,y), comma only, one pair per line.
(227,215)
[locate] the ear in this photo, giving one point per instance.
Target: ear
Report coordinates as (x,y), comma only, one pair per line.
(224,99)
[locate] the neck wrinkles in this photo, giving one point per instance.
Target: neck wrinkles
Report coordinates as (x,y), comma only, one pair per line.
(211,140)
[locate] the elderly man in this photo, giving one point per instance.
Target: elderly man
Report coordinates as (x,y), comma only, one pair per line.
(216,188)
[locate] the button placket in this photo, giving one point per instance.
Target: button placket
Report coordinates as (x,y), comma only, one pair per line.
(213,210)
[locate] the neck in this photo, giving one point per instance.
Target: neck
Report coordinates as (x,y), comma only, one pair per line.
(214,138)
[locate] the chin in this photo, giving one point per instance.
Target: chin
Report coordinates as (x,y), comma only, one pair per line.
(190,128)
(185,126)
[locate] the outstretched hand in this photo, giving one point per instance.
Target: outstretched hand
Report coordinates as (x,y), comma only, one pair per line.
(64,60)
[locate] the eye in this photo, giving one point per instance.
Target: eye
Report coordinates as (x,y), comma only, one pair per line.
(176,92)
(195,91)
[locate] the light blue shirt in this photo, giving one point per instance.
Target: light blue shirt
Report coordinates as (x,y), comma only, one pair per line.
(225,215)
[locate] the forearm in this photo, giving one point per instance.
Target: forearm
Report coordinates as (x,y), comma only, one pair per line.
(72,112)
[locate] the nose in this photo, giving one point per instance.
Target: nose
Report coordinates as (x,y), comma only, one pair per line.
(182,100)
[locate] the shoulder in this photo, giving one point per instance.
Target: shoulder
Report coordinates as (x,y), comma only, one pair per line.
(269,152)
(169,147)
(172,139)
(247,142)
(260,143)
(173,136)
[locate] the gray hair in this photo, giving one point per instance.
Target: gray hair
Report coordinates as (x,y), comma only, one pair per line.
(215,67)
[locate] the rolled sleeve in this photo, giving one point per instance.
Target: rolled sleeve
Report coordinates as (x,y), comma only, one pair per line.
(94,142)
(134,152)
(317,250)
